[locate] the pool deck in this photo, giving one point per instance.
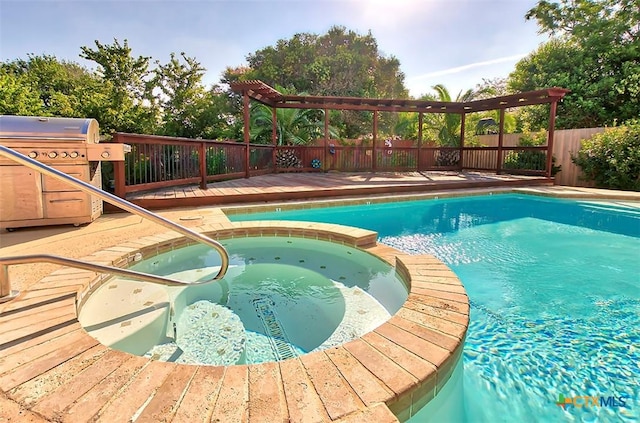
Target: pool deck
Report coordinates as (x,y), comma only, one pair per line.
(52,370)
(305,186)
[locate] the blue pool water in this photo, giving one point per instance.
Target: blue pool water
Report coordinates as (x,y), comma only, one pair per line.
(554,287)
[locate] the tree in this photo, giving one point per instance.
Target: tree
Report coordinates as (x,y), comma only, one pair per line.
(129,107)
(445,127)
(338,63)
(181,95)
(594,52)
(61,88)
(293,126)
(116,64)
(17,96)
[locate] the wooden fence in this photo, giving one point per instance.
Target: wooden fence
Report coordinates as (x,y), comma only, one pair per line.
(566,142)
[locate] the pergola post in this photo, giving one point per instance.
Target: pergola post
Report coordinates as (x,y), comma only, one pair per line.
(375,141)
(550,135)
(420,120)
(326,139)
(500,140)
(463,117)
(245,116)
(274,138)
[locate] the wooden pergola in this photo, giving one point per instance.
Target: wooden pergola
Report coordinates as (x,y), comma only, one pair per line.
(263,93)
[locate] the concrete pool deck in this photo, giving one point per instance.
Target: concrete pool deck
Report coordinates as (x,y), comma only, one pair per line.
(51,370)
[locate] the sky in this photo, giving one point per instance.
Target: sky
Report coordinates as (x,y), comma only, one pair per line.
(457,43)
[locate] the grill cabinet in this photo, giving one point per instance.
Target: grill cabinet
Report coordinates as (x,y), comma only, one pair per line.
(70,145)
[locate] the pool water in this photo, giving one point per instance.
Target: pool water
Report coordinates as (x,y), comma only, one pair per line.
(281,297)
(554,287)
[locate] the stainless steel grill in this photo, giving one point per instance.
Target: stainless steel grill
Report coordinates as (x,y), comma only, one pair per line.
(70,145)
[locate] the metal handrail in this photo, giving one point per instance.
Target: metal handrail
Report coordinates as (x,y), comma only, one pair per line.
(116,201)
(48,258)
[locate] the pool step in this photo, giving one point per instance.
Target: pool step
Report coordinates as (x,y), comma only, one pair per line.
(277,336)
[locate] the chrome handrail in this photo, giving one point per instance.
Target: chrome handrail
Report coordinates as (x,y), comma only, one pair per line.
(116,201)
(48,258)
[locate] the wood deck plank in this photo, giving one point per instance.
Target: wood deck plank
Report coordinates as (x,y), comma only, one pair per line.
(164,404)
(40,326)
(198,402)
(290,186)
(126,402)
(231,405)
(38,338)
(21,374)
(32,391)
(26,355)
(58,400)
(89,404)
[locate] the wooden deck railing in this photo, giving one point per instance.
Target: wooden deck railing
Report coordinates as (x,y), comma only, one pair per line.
(156,162)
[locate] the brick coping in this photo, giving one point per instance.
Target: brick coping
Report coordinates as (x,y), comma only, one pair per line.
(51,369)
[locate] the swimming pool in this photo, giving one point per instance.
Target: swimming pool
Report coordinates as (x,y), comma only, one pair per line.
(554,287)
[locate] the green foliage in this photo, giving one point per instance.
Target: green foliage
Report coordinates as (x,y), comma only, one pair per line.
(115,64)
(49,87)
(127,105)
(528,159)
(338,63)
(180,95)
(216,161)
(594,52)
(17,95)
(533,139)
(445,127)
(124,94)
(293,126)
(612,158)
(138,168)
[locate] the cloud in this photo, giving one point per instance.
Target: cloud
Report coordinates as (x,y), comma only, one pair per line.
(469,66)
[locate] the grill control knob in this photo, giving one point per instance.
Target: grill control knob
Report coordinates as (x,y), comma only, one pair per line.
(63,154)
(73,154)
(105,154)
(33,154)
(52,154)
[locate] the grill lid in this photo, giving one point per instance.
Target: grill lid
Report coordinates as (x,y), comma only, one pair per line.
(49,128)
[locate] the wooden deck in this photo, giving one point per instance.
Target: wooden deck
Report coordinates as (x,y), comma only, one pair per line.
(302,186)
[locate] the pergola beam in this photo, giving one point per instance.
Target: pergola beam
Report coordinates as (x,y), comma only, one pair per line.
(263,93)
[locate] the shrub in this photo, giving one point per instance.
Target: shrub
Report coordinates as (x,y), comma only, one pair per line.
(611,158)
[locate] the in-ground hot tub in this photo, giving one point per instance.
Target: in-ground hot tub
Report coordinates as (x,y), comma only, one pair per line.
(281,297)
(388,373)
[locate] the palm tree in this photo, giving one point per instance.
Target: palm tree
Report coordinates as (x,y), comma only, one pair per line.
(293,126)
(446,126)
